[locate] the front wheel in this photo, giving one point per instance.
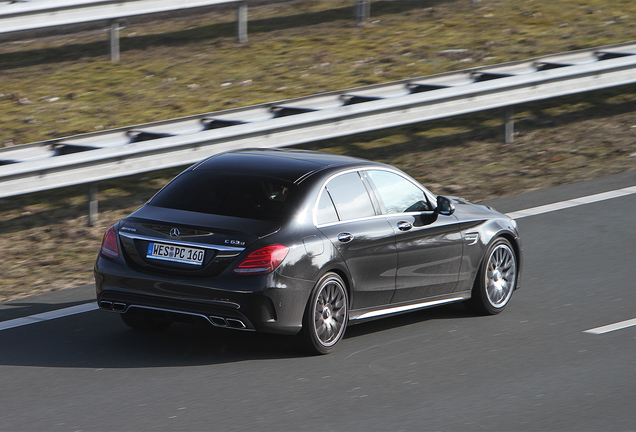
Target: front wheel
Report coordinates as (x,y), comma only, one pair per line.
(326,315)
(496,279)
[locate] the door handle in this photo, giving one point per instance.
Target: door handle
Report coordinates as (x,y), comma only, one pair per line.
(345,237)
(404,226)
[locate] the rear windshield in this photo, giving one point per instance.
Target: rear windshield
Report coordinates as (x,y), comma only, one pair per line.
(228,194)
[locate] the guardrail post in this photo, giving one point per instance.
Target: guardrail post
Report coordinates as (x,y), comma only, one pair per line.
(509,124)
(363,11)
(114,40)
(92,204)
(241,18)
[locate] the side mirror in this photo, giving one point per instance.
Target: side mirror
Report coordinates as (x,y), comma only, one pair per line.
(444,206)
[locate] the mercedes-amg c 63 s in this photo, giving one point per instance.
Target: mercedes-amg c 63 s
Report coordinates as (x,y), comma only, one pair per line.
(302,243)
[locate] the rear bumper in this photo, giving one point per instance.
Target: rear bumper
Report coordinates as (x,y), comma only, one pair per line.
(269,303)
(219,315)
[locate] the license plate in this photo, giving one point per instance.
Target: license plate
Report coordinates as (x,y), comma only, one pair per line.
(174,253)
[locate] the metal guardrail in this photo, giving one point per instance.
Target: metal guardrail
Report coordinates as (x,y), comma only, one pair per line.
(115,153)
(41,14)
(22,15)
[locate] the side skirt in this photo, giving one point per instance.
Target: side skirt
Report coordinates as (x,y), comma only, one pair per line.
(360,315)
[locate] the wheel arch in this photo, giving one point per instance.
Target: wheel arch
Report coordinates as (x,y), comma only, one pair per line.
(501,227)
(309,336)
(344,275)
(516,246)
(479,302)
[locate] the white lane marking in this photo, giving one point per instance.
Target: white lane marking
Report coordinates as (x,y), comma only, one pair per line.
(46,316)
(612,327)
(18,322)
(573,203)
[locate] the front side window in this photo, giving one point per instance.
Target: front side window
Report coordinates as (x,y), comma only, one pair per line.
(399,194)
(350,197)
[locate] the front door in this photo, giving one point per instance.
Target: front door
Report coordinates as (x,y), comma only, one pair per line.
(429,255)
(429,245)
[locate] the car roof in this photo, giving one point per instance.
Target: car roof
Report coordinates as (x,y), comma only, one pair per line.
(290,165)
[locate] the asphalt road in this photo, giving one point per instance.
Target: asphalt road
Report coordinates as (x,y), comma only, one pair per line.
(533,367)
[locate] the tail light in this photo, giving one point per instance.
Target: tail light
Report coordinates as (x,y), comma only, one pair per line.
(109,244)
(263,260)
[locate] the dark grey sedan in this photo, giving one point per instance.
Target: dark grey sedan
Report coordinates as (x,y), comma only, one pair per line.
(302,243)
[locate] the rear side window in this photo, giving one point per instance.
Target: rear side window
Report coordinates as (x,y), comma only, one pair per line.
(228,194)
(398,194)
(350,197)
(325,212)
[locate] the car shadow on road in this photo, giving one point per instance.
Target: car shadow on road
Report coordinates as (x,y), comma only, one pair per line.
(100,340)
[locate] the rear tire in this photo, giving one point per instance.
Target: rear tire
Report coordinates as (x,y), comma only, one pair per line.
(496,279)
(326,315)
(140,322)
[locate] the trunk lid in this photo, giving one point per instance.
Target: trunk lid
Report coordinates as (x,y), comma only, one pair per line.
(183,243)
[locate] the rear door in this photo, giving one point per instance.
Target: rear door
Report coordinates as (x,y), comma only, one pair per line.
(364,239)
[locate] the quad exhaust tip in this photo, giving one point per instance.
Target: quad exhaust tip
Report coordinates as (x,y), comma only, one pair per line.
(112,306)
(227,322)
